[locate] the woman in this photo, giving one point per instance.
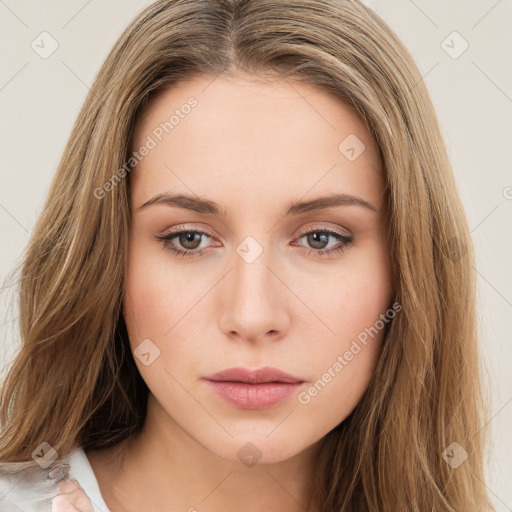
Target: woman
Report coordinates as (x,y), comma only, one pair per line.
(251,285)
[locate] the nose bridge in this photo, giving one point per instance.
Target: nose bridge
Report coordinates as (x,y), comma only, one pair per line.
(253,305)
(253,280)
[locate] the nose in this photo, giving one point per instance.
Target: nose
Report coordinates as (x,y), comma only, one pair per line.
(254,301)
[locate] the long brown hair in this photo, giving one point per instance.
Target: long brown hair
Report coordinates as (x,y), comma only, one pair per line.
(74,382)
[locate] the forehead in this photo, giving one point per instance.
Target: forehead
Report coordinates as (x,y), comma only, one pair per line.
(262,133)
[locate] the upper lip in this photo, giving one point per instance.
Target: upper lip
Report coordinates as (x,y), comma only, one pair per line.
(256,376)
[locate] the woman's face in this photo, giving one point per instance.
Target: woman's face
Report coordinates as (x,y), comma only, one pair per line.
(273,196)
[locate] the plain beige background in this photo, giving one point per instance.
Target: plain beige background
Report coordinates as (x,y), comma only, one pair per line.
(463,49)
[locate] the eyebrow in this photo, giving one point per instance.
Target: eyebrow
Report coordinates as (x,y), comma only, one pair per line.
(205,206)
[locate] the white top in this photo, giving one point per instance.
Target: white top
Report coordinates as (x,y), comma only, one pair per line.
(19,494)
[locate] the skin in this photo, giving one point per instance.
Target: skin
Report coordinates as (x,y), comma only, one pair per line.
(253,147)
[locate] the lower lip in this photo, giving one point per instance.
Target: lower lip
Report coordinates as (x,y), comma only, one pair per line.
(254,396)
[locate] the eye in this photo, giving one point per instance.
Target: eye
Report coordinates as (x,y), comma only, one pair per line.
(319,240)
(189,239)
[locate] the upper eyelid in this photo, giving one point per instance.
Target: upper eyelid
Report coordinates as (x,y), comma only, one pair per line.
(181,228)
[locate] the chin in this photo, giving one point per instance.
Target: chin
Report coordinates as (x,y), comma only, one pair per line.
(251,448)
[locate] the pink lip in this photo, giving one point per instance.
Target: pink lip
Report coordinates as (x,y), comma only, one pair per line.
(253,389)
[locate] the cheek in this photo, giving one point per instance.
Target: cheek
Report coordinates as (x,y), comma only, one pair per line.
(156,294)
(348,298)
(355,307)
(342,366)
(157,306)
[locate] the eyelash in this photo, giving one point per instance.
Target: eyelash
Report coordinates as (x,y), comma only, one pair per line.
(346,241)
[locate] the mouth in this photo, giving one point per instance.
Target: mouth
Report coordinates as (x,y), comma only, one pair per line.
(253,389)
